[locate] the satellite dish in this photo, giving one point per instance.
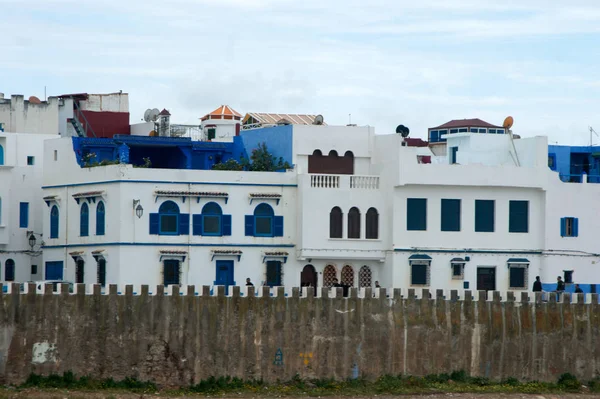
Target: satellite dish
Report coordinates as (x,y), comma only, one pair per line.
(154,114)
(153,134)
(147,115)
(318,120)
(34,100)
(403,130)
(508,122)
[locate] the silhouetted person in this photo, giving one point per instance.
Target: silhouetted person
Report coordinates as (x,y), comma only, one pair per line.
(377,284)
(578,290)
(249,283)
(537,285)
(560,284)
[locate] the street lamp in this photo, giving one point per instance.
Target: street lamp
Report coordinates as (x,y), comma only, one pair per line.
(32,241)
(139,211)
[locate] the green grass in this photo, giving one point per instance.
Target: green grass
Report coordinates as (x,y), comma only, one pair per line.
(458,381)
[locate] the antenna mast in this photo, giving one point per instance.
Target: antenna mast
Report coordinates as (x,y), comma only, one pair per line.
(594,132)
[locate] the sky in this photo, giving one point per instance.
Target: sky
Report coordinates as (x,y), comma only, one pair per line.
(381,63)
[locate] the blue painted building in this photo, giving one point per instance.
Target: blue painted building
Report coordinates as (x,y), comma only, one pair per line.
(573,162)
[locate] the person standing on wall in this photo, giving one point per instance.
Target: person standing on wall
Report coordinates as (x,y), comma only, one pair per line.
(249,282)
(578,289)
(537,285)
(560,286)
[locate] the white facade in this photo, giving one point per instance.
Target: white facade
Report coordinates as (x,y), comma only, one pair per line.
(21,205)
(386,178)
(18,115)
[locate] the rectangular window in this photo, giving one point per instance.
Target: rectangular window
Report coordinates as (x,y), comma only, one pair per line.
(569,227)
(33,269)
(434,136)
(30,160)
(101,272)
(484,216)
(274,273)
(518,218)
(462,130)
(419,273)
(568,276)
(168,224)
(458,270)
(24,214)
(416,214)
(518,276)
(263,225)
(453,130)
(211,225)
(453,151)
(171,272)
(493,131)
(211,133)
(56,155)
(501,131)
(450,215)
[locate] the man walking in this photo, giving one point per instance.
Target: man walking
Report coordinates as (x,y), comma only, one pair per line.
(537,285)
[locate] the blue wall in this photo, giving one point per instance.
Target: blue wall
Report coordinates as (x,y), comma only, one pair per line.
(278,140)
(570,161)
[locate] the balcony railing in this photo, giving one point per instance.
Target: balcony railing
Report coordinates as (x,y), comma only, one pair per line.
(344,181)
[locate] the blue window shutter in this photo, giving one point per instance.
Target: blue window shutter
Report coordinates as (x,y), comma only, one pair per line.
(197,225)
(416,214)
(575,227)
(277,226)
(563,227)
(226,225)
(184,224)
(450,215)
(154,223)
(24,214)
(249,222)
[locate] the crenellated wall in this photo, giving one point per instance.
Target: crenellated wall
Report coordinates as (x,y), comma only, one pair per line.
(176,339)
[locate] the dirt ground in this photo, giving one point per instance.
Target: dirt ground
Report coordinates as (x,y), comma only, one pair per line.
(64,394)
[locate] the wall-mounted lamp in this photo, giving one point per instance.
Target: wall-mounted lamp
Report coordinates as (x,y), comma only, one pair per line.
(137,207)
(31,238)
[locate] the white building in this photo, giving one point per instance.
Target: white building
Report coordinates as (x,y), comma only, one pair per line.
(358,207)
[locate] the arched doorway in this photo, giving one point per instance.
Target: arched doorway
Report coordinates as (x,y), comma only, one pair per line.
(308,277)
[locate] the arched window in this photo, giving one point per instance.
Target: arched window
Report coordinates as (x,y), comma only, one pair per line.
(168,218)
(9,270)
(263,220)
(354,223)
(101,273)
(333,153)
(54,222)
(317,153)
(336,222)
(79,270)
(1,155)
(100,218)
(329,276)
(372,224)
(84,220)
(349,154)
(365,277)
(211,219)
(348,275)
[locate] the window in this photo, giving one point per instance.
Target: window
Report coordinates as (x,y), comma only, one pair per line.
(212,132)
(372,224)
(329,276)
(434,136)
(518,221)
(518,275)
(354,223)
(501,131)
(453,130)
(100,218)
(168,221)
(0,211)
(569,227)
(33,269)
(552,161)
(484,216)
(264,223)
(30,160)
(450,215)
(24,214)
(56,155)
(9,270)
(212,222)
(458,268)
(274,273)
(1,155)
(453,151)
(462,130)
(348,275)
(336,220)
(54,222)
(84,220)
(416,214)
(79,271)
(492,131)
(365,277)
(101,272)
(419,272)
(568,276)
(171,272)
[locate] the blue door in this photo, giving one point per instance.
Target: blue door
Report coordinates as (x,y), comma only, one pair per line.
(225,274)
(54,270)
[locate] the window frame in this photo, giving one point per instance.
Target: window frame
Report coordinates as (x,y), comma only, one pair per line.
(336,225)
(461,268)
(100,220)
(207,212)
(515,214)
(444,223)
(569,227)
(10,263)
(168,214)
(84,220)
(54,222)
(178,270)
(420,262)
(480,207)
(23,215)
(372,224)
(519,266)
(32,159)
(354,224)
(269,215)
(410,204)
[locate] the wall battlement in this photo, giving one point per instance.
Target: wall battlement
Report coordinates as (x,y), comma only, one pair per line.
(177,340)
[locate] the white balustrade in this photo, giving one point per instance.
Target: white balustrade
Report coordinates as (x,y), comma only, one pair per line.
(325,181)
(365,182)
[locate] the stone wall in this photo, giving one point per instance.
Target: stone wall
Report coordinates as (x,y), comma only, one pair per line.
(177,339)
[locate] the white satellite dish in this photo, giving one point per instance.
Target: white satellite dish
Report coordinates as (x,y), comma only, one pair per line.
(318,120)
(154,114)
(147,115)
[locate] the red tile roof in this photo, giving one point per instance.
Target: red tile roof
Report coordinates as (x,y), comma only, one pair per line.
(273,119)
(222,111)
(88,194)
(164,112)
(265,195)
(475,122)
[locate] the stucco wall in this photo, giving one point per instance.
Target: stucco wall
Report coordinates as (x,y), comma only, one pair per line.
(21,116)
(178,340)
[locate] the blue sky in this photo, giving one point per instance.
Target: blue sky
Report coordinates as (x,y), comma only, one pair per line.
(419,63)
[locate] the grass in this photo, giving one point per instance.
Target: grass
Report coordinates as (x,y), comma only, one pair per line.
(457,382)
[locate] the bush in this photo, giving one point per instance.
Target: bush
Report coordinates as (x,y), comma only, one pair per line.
(569,382)
(459,376)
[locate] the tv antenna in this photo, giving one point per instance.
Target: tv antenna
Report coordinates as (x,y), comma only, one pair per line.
(507,124)
(594,132)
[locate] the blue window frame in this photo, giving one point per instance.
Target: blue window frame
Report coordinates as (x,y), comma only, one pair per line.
(484,216)
(169,221)
(212,222)
(24,214)
(84,220)
(450,215)
(100,218)
(1,155)
(462,130)
(434,136)
(518,218)
(9,270)
(569,227)
(264,223)
(453,130)
(54,219)
(30,160)
(416,214)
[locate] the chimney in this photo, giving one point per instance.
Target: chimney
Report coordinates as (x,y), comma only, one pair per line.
(1,96)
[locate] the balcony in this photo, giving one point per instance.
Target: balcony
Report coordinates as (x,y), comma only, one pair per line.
(344,181)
